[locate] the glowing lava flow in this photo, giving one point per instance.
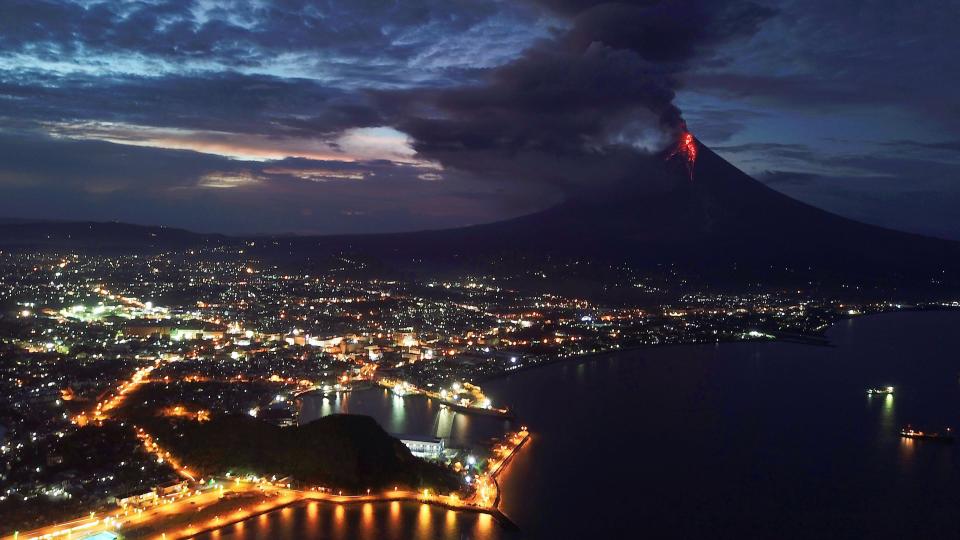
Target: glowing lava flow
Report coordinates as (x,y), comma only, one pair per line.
(686,149)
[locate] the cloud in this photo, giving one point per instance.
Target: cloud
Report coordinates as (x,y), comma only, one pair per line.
(841,58)
(354,144)
(898,189)
(97,180)
(902,201)
(941,149)
(265,79)
(719,124)
(795,178)
(317,175)
(228,180)
(667,31)
(223,103)
(350,43)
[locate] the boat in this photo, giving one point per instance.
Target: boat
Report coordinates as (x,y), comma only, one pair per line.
(880,390)
(942,436)
(466,409)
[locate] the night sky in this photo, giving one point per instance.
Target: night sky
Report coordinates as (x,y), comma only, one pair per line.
(331,116)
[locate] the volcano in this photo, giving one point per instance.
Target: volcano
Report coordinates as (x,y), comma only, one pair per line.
(721,225)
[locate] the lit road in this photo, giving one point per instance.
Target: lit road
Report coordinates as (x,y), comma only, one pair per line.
(102,411)
(117,519)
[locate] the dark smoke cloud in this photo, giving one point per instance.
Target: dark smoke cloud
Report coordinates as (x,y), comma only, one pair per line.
(601,89)
(551,101)
(667,31)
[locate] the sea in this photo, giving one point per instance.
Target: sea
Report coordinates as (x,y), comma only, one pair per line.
(731,440)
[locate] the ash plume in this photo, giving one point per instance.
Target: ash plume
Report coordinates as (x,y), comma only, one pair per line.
(582,106)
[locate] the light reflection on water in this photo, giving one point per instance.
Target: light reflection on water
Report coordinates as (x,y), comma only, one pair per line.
(410,415)
(399,414)
(369,521)
(888,419)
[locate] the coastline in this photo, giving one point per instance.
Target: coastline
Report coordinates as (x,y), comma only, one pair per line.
(589,356)
(811,339)
(504,520)
(235,514)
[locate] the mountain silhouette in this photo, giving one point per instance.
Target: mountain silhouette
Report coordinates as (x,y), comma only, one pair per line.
(721,225)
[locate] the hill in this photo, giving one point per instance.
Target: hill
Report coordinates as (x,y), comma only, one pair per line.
(349,452)
(103,236)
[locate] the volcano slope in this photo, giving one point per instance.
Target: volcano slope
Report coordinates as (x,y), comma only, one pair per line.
(722,226)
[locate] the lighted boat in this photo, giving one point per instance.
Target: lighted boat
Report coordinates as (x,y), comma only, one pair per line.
(880,390)
(942,436)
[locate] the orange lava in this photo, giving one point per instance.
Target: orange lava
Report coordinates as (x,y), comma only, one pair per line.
(687,150)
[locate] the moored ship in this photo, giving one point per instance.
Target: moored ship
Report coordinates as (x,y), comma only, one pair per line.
(943,436)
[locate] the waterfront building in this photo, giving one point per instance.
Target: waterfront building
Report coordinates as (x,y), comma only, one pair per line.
(424,447)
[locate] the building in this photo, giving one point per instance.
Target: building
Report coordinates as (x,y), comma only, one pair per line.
(190,332)
(171,488)
(278,416)
(146,329)
(424,447)
(186,333)
(136,499)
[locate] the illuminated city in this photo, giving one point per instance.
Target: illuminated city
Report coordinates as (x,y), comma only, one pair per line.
(101,342)
(479,270)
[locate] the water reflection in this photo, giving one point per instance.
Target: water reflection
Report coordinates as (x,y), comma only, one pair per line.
(907,448)
(374,521)
(451,522)
(888,422)
(367,514)
(326,408)
(444,425)
(423,522)
(398,414)
(888,409)
(410,415)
